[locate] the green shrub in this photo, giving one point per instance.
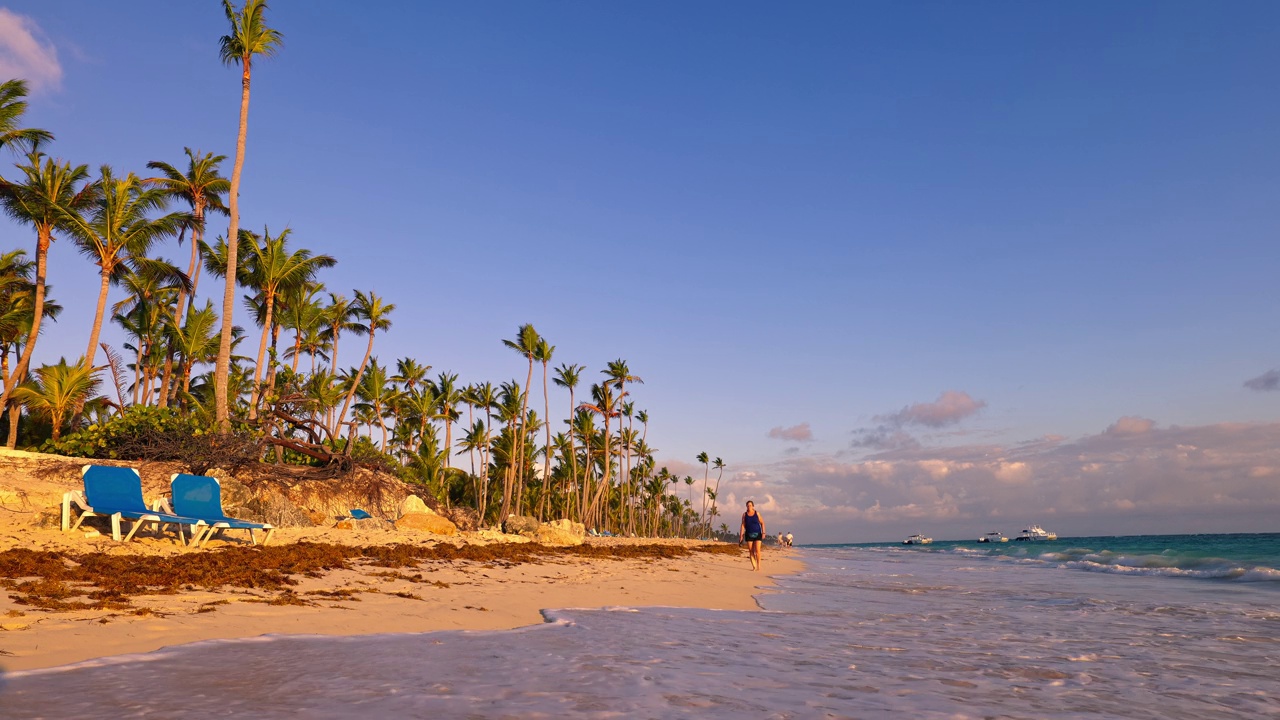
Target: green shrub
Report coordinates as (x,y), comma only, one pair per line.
(157,433)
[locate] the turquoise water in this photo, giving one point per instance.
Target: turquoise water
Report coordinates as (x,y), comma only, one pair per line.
(1245,557)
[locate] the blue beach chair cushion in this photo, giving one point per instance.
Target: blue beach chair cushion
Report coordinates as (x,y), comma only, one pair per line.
(117,492)
(201,496)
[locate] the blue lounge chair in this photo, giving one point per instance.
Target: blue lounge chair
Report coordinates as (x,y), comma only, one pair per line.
(200,496)
(116,492)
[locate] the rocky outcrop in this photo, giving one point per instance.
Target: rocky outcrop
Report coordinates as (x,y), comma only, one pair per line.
(555,532)
(520,524)
(414,504)
(426,522)
(560,532)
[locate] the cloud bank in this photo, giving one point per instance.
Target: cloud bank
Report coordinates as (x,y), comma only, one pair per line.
(1266,382)
(795,433)
(26,53)
(1133,477)
(892,430)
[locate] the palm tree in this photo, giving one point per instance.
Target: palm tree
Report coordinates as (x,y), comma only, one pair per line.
(16,317)
(249,36)
(526,343)
(718,464)
(201,187)
(705,459)
(118,227)
(543,353)
(13,106)
(152,285)
(51,191)
(376,314)
(301,313)
(410,373)
(567,376)
(339,316)
(194,340)
(448,395)
(58,391)
(604,402)
(271,270)
(377,395)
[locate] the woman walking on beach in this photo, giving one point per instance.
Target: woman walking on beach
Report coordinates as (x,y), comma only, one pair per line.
(752,531)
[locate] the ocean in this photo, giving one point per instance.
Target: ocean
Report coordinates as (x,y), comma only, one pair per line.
(1102,627)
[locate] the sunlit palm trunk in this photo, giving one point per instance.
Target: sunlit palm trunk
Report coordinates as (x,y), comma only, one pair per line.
(524,416)
(44,236)
(222,409)
(546,456)
(97,318)
(356,381)
(262,353)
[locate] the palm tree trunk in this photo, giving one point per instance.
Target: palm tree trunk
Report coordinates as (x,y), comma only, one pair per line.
(97,318)
(356,381)
(222,409)
(262,353)
(546,453)
(524,416)
(43,237)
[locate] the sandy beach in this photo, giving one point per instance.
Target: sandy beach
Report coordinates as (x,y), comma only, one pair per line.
(507,591)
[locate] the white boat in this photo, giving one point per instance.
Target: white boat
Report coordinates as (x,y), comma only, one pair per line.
(1036,533)
(917,540)
(993,537)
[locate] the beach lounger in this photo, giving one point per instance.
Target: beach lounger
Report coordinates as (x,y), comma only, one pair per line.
(200,496)
(116,492)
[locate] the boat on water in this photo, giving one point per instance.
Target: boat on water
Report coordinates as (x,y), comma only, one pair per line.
(1036,533)
(993,537)
(917,540)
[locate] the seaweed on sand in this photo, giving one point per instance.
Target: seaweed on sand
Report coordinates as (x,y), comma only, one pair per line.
(65,581)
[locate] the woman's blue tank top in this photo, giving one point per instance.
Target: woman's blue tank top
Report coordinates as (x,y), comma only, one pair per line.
(752,523)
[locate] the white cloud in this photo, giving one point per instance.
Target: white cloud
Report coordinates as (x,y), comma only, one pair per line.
(951,407)
(1132,477)
(795,433)
(25,53)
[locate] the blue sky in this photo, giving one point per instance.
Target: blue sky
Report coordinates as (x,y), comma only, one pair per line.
(830,221)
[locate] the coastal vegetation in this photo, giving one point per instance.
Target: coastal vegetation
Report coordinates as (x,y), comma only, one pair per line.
(188,380)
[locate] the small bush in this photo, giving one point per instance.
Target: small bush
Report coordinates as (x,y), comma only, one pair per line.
(157,433)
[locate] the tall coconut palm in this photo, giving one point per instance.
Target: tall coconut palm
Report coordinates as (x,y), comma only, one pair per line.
(50,192)
(202,188)
(376,315)
(152,284)
(526,343)
(705,459)
(448,394)
(17,293)
(195,340)
(604,402)
(59,392)
(567,376)
(377,395)
(117,226)
(339,317)
(542,353)
(301,313)
(272,269)
(719,465)
(13,105)
(249,37)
